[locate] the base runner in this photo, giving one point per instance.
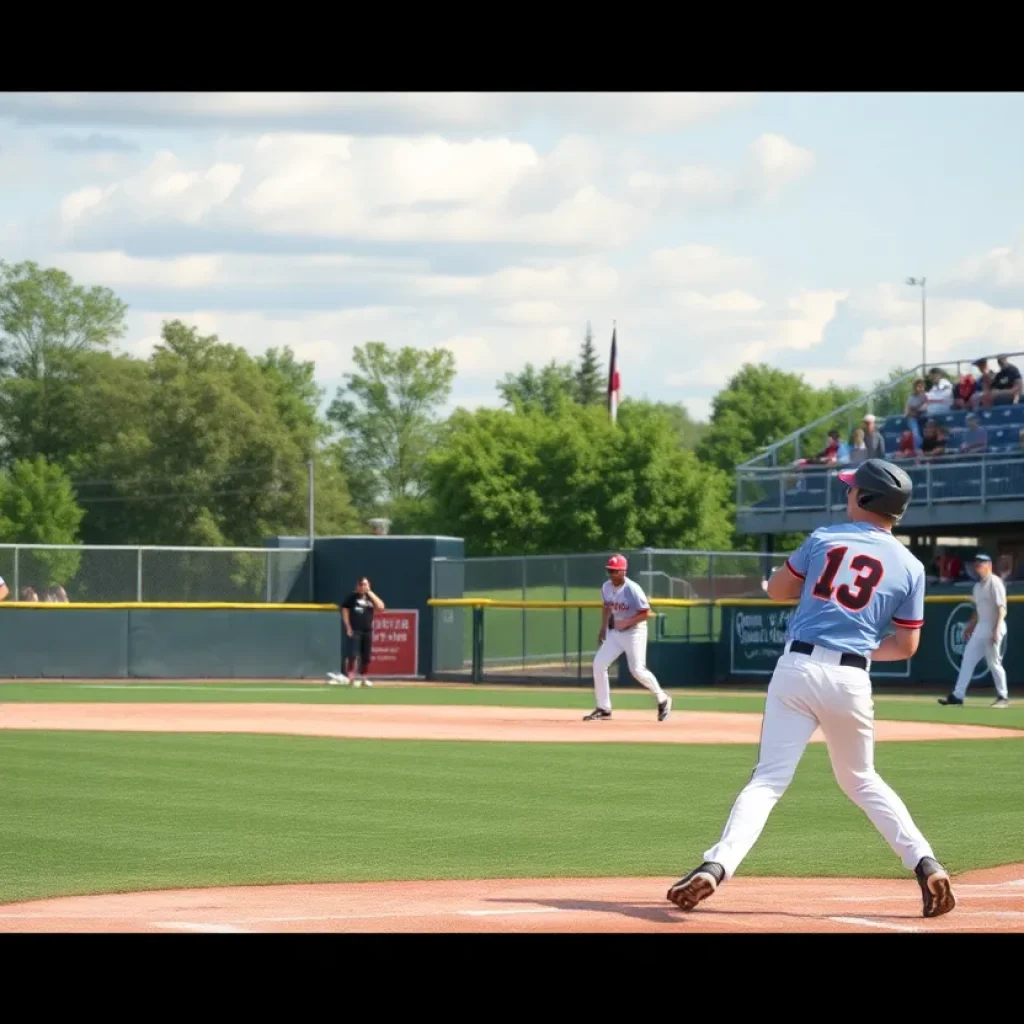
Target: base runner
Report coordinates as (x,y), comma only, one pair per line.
(853,580)
(623,630)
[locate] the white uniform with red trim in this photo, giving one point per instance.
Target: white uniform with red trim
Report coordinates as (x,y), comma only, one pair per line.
(857,581)
(625,602)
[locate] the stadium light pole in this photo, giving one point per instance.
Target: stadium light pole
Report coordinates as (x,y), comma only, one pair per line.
(924,338)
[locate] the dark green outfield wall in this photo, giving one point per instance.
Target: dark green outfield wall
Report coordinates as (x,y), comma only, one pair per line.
(752,640)
(159,643)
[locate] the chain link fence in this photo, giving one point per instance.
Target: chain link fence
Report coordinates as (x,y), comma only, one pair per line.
(106,574)
(561,642)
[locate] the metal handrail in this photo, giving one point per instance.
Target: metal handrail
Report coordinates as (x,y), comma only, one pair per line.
(918,371)
(959,458)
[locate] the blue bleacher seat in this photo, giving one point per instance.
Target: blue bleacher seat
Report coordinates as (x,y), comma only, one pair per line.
(1002,414)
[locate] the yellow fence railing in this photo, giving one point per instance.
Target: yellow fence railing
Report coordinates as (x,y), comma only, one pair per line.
(177,606)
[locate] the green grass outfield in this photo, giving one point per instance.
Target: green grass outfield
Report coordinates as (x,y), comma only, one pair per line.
(553,631)
(87,812)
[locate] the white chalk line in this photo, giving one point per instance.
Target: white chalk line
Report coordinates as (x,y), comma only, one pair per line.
(204,687)
(868,923)
(187,926)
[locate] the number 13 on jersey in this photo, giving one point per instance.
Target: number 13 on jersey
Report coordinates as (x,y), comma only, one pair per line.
(855,595)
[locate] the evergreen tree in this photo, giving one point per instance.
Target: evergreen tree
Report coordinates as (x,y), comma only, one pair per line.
(589,384)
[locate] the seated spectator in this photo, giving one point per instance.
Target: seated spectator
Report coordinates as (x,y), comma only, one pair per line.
(934,441)
(830,453)
(1004,566)
(948,567)
(858,449)
(975,436)
(982,383)
(940,395)
(916,408)
(1006,385)
(28,594)
(907,448)
(965,391)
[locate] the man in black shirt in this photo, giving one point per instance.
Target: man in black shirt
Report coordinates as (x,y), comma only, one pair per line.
(1006,384)
(357,612)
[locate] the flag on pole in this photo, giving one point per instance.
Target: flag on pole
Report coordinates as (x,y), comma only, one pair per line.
(613,380)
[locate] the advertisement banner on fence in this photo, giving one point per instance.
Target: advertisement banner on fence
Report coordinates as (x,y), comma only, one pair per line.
(395,644)
(757,638)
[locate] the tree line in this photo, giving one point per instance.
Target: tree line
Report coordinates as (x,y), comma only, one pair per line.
(202,443)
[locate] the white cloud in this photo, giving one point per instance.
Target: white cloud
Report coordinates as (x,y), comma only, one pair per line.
(723,302)
(1001,267)
(691,265)
(379,189)
(774,163)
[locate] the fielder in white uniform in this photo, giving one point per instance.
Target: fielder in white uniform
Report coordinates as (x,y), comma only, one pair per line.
(853,580)
(984,635)
(627,607)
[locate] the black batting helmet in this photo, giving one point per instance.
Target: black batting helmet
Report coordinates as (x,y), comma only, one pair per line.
(884,487)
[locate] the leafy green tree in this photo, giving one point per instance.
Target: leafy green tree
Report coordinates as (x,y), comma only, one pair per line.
(38,506)
(590,387)
(387,413)
(532,482)
(546,389)
(759,406)
(43,312)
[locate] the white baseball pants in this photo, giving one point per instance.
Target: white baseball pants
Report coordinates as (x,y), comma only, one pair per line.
(980,646)
(632,642)
(807,691)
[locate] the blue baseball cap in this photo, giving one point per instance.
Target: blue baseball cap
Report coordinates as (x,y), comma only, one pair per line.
(982,557)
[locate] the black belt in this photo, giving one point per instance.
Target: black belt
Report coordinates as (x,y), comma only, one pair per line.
(852,660)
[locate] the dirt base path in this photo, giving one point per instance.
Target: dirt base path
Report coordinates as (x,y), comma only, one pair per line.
(988,901)
(406,722)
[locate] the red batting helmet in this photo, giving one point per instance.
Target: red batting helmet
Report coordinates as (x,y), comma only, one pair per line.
(617,562)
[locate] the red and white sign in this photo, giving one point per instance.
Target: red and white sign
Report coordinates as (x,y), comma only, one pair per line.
(395,644)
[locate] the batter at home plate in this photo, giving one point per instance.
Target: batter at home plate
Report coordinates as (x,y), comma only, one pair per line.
(623,631)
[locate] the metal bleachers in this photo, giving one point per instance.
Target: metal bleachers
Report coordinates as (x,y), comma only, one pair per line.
(775,492)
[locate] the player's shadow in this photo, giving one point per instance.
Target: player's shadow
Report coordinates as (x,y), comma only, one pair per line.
(640,911)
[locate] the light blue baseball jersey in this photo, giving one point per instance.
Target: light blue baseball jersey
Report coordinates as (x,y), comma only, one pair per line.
(857,581)
(626,601)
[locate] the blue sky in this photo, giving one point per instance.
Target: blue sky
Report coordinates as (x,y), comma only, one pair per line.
(716,229)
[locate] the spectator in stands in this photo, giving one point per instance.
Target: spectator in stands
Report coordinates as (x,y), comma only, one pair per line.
(858,449)
(982,383)
(908,448)
(965,391)
(975,436)
(59,595)
(873,440)
(830,453)
(934,441)
(916,408)
(940,394)
(948,567)
(28,594)
(1006,385)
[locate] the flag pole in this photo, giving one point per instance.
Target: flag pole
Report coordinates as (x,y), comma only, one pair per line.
(614,381)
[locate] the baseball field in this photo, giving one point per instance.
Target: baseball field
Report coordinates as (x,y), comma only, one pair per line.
(277,807)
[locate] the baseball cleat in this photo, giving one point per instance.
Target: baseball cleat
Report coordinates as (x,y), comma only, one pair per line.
(337,679)
(936,891)
(366,682)
(697,886)
(597,715)
(1002,702)
(951,699)
(664,708)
